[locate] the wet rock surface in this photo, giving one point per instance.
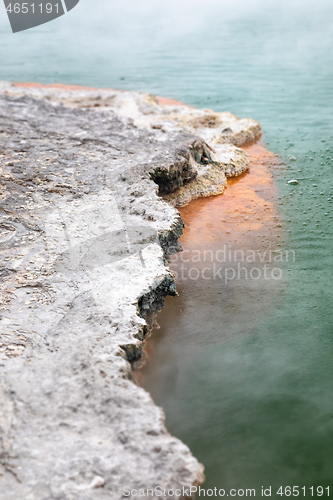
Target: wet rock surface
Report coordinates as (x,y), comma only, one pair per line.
(84,241)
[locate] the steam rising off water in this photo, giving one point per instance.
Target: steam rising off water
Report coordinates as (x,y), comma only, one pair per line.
(244,372)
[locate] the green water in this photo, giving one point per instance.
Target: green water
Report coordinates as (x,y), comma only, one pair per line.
(248,388)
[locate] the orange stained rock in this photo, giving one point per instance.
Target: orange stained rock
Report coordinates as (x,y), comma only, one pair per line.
(166,101)
(59,86)
(245,214)
(243,217)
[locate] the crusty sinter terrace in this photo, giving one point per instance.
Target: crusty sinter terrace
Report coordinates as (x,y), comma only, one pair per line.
(84,243)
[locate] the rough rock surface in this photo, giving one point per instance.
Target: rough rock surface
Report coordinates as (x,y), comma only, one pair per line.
(221,131)
(84,240)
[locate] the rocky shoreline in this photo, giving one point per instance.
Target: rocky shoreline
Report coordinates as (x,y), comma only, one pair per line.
(89,184)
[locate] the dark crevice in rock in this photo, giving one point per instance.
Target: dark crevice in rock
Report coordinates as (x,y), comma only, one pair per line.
(172,176)
(150,303)
(153,301)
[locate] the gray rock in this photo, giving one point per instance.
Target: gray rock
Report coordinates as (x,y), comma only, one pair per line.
(84,245)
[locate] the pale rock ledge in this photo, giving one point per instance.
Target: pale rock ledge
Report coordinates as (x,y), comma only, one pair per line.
(84,243)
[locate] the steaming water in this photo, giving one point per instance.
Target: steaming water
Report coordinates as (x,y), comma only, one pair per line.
(248,382)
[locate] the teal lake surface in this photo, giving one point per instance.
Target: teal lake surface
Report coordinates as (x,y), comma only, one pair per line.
(248,389)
